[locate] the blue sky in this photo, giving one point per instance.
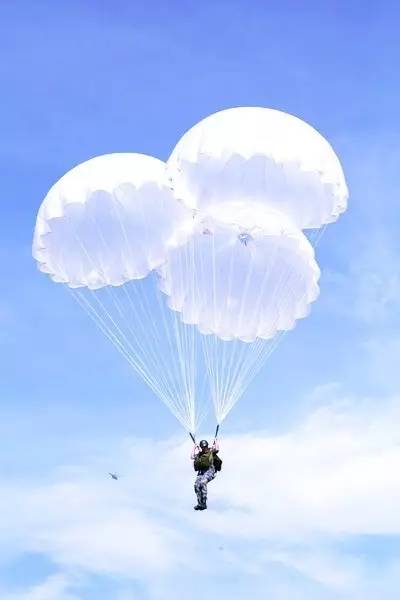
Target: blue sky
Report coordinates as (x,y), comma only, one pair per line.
(320,423)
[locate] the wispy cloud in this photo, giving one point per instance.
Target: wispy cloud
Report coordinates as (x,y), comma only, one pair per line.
(56,587)
(291,498)
(369,289)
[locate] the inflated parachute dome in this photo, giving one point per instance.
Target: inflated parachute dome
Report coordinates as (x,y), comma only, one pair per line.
(107,221)
(242,286)
(194,269)
(251,157)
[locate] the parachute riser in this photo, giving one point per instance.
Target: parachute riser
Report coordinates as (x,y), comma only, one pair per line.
(194,439)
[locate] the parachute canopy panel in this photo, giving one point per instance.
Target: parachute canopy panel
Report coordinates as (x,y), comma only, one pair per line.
(259,155)
(108,221)
(241,285)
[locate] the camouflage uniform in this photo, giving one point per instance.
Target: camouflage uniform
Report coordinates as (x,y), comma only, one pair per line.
(200,485)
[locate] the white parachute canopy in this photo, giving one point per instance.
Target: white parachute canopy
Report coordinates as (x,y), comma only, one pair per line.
(239,159)
(241,290)
(242,285)
(102,230)
(204,252)
(107,221)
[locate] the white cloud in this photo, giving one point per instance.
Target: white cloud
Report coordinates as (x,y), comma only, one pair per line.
(369,287)
(285,499)
(381,353)
(55,587)
(340,573)
(336,474)
(87,524)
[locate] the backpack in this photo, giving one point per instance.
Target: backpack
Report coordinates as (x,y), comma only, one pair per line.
(217,462)
(202,463)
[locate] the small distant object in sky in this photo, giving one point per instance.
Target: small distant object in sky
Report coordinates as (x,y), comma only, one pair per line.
(113,476)
(244,238)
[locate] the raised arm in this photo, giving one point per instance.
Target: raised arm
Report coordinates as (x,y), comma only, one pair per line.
(195,452)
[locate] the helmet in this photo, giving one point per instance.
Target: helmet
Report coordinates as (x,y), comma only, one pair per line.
(203,444)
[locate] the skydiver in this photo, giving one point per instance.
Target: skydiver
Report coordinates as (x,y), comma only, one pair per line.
(206,464)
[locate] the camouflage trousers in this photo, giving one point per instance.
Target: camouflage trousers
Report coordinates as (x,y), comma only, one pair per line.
(200,485)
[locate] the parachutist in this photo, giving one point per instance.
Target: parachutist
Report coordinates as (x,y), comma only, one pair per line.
(206,464)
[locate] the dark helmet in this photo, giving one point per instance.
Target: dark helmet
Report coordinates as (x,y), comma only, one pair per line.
(203,444)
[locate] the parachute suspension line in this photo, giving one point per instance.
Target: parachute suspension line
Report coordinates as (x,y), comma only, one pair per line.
(120,347)
(142,358)
(249,354)
(258,355)
(239,363)
(221,361)
(185,341)
(215,365)
(231,366)
(176,395)
(96,317)
(266,349)
(197,272)
(314,236)
(192,333)
(132,329)
(274,343)
(143,317)
(263,348)
(248,357)
(124,348)
(232,370)
(223,356)
(140,322)
(171,371)
(214,300)
(177,345)
(182,345)
(212,365)
(138,338)
(237,354)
